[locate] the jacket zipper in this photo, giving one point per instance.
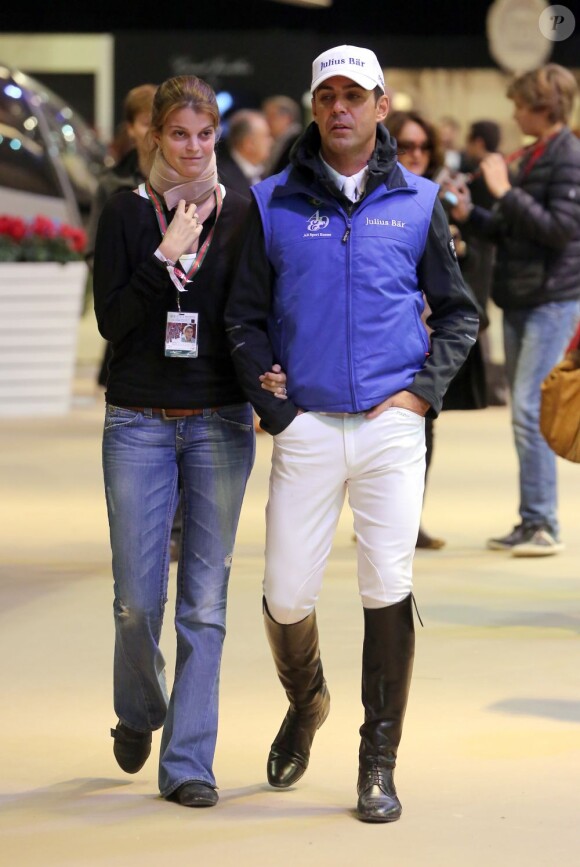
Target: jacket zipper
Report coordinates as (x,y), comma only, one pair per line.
(344,240)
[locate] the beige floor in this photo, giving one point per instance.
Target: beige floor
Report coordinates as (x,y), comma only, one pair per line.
(489,766)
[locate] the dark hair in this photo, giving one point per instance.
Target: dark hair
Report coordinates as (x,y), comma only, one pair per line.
(551,87)
(397,120)
(377,92)
(488,131)
(284,105)
(241,124)
(183,91)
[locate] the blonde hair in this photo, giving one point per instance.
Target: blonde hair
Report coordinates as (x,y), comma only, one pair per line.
(551,87)
(139,100)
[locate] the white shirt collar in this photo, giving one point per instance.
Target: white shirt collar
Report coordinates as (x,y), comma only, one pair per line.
(252,172)
(360,178)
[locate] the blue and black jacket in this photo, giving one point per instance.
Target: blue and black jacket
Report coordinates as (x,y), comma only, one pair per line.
(334,291)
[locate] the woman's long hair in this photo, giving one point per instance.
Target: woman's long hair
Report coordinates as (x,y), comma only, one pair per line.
(397,120)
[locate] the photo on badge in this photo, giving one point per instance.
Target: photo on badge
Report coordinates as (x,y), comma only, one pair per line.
(181,335)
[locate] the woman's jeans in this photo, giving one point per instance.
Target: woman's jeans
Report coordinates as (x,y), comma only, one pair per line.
(535,339)
(143,455)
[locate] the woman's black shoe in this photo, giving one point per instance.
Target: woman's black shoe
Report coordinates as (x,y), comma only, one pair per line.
(131,748)
(194,794)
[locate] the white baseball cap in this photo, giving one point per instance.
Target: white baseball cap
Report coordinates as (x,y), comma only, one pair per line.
(358,64)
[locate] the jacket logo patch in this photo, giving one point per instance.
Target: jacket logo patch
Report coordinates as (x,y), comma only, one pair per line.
(376,221)
(317,222)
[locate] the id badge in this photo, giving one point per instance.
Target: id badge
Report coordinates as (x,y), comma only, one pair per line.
(181,335)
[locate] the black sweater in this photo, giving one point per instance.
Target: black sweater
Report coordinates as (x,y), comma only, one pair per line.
(133,293)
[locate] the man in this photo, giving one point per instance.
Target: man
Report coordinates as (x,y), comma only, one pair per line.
(338,250)
(249,143)
(285,121)
(483,138)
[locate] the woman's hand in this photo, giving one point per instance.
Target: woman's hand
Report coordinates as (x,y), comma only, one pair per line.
(182,232)
(495,174)
(274,381)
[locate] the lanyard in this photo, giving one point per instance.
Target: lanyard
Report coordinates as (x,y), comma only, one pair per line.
(533,153)
(182,278)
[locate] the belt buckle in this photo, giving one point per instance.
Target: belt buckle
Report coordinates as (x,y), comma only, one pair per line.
(166,417)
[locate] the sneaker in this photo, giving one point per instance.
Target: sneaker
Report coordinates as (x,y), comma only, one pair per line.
(540,544)
(521,533)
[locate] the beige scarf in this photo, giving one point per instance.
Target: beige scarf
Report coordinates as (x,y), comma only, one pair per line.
(174,186)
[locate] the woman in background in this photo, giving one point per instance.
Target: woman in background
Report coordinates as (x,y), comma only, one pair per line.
(419,151)
(130,169)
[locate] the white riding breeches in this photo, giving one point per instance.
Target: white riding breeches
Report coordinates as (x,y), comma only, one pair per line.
(381,462)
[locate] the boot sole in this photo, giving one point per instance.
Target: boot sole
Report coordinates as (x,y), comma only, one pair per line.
(276,785)
(377,820)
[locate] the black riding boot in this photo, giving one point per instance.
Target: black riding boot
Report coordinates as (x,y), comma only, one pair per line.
(388,650)
(297,657)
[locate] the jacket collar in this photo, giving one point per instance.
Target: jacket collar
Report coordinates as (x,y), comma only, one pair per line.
(306,173)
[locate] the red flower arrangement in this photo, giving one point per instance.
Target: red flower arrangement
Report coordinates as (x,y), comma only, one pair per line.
(39,240)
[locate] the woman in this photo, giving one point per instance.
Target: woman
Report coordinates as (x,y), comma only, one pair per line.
(536,226)
(419,151)
(133,165)
(419,148)
(163,255)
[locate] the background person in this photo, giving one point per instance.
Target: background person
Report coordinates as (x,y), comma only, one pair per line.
(420,152)
(536,226)
(483,138)
(131,169)
(449,130)
(243,156)
(327,287)
(285,121)
(169,418)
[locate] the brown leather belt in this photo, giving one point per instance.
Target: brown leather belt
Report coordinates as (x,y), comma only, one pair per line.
(170,413)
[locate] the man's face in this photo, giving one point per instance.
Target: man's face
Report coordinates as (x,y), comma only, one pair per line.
(475,149)
(347,116)
(259,141)
(277,120)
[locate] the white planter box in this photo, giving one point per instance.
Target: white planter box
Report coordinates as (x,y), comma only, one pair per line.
(40,307)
